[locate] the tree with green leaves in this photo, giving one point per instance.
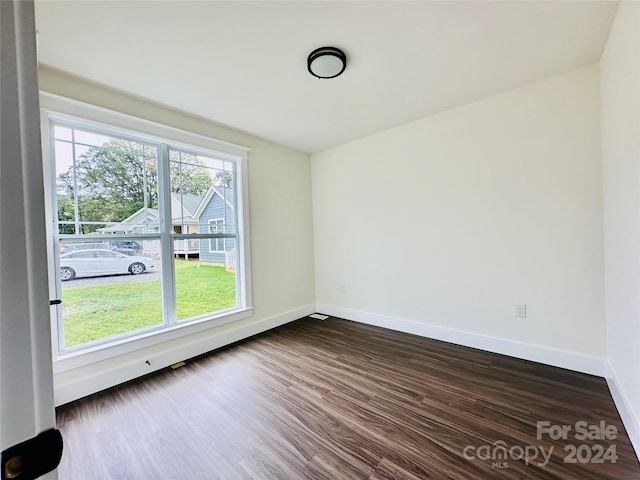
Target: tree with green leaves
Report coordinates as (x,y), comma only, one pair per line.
(223,179)
(115,180)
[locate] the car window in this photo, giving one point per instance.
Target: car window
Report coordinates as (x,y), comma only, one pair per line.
(106,254)
(82,246)
(126,244)
(81,255)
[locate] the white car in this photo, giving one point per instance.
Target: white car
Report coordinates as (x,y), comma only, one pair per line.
(95,262)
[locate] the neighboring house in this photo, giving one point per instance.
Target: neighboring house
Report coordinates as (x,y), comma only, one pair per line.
(216,215)
(146,220)
(211,213)
(186,221)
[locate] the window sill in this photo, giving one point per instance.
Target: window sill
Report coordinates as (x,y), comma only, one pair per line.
(79,358)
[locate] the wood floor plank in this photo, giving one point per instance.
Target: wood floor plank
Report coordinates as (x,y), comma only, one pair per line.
(339,400)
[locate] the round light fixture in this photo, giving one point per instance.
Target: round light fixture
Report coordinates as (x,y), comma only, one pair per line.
(326,62)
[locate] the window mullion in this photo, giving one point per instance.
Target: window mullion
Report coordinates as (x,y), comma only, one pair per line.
(57,283)
(76,208)
(166,237)
(239,231)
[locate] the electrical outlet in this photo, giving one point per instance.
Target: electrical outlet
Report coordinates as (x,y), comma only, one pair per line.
(521,311)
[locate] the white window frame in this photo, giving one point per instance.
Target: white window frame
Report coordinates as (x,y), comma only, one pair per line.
(217,240)
(61,108)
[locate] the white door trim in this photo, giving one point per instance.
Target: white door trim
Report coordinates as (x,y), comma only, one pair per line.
(26,378)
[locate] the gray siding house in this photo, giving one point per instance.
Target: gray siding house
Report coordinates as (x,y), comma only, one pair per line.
(212,213)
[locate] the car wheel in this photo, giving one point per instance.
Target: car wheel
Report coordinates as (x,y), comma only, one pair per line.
(67,273)
(136,268)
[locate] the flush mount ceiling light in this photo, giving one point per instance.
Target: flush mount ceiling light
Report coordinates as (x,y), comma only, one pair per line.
(326,62)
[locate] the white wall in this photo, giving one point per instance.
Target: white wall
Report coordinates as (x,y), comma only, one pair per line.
(441,226)
(620,85)
(281,239)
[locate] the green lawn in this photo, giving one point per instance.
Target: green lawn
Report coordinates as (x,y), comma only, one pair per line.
(91,313)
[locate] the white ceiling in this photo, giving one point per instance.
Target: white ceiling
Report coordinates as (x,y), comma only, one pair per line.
(243,64)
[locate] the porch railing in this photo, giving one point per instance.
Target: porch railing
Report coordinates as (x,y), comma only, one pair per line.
(186,246)
(230,259)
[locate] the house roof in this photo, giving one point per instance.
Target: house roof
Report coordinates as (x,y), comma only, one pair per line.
(142,216)
(222,192)
(190,203)
(192,206)
(227,194)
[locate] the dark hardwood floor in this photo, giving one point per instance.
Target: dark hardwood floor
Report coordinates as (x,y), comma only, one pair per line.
(339,400)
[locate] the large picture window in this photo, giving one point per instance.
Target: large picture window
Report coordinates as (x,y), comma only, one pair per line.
(146,233)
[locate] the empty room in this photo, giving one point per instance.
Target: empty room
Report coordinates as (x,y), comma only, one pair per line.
(320,240)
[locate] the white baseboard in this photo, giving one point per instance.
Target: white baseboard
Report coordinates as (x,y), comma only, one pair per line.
(627,414)
(549,356)
(73,384)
